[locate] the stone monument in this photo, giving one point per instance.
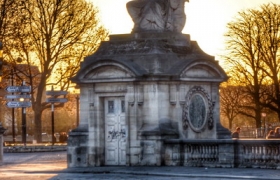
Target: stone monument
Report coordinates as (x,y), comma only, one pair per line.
(140,89)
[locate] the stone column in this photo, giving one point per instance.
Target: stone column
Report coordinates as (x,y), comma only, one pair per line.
(2,130)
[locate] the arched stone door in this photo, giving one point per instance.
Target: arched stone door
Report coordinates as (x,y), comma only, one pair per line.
(115,131)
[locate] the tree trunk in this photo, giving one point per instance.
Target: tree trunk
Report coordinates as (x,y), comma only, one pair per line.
(38,109)
(258,119)
(38,126)
(230,123)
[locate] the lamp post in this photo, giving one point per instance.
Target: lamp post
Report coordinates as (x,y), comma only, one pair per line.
(53,135)
(23,128)
(13,110)
(23,115)
(264,123)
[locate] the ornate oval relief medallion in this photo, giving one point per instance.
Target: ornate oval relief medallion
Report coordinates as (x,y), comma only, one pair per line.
(197,112)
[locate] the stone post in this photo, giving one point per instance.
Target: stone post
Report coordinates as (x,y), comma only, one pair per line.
(2,130)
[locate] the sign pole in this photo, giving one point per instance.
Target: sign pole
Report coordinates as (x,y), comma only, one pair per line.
(22,103)
(23,121)
(53,100)
(13,125)
(13,111)
(24,126)
(53,124)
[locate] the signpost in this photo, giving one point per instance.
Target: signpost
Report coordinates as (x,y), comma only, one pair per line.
(16,89)
(24,96)
(53,100)
(56,100)
(18,96)
(18,104)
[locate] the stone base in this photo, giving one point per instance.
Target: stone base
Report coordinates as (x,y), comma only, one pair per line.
(222,132)
(77,150)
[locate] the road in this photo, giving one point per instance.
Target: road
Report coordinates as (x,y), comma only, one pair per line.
(50,165)
(53,166)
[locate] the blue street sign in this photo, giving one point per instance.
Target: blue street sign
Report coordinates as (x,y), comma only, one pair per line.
(18,104)
(14,89)
(18,96)
(56,100)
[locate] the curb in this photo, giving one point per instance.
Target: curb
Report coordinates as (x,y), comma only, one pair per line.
(214,176)
(28,149)
(163,174)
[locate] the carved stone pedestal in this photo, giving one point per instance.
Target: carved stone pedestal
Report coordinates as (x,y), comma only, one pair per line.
(77,150)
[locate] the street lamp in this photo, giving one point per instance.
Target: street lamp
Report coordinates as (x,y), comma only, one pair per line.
(13,109)
(23,120)
(264,123)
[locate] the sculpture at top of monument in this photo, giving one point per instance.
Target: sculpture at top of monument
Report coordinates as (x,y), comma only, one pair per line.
(157,15)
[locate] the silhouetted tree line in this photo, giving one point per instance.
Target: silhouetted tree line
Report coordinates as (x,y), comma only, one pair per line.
(252,61)
(236,104)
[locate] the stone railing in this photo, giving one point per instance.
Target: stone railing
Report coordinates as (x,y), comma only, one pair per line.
(259,153)
(223,153)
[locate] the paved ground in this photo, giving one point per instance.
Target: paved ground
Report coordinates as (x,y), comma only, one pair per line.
(52,166)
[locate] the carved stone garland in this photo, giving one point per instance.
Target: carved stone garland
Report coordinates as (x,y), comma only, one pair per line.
(200,95)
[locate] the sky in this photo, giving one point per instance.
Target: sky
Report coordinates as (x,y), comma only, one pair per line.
(206,19)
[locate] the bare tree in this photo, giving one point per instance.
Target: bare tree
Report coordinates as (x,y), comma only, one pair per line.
(7,10)
(245,59)
(54,35)
(230,97)
(269,47)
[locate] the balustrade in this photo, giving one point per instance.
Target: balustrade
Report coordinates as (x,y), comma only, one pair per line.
(198,154)
(260,155)
(223,153)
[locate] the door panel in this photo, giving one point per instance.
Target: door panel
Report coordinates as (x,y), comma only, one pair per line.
(115,129)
